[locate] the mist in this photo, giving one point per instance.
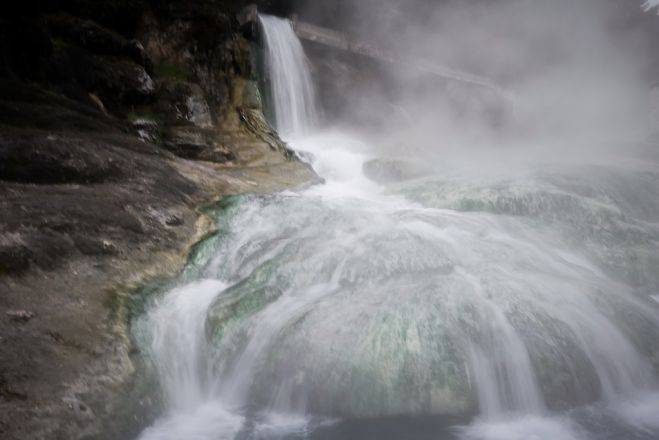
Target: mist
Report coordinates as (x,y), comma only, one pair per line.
(567,80)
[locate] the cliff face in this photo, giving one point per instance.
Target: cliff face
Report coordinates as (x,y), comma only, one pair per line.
(118,120)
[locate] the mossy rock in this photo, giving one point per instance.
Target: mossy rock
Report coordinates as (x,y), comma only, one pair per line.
(251,98)
(171,71)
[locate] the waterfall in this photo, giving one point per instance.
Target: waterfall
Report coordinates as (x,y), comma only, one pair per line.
(333,310)
(291,87)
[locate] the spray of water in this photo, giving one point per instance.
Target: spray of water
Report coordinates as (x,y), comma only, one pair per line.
(290,83)
(514,296)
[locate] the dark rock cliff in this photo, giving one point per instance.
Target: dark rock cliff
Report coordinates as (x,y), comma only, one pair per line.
(118,119)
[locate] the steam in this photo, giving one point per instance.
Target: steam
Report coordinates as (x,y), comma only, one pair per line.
(573,76)
(650,4)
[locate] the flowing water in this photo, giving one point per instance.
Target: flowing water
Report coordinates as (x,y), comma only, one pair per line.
(289,78)
(457,305)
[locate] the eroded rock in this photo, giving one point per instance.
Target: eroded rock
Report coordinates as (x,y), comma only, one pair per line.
(20,315)
(96,39)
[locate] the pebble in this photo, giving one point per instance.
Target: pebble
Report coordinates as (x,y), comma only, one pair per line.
(20,315)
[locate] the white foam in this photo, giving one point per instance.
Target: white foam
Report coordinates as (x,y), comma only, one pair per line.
(280,424)
(650,4)
(178,342)
(642,412)
(206,422)
(290,79)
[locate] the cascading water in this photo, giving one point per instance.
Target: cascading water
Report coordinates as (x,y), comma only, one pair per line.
(292,92)
(358,310)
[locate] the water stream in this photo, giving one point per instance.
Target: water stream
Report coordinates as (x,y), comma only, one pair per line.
(456,305)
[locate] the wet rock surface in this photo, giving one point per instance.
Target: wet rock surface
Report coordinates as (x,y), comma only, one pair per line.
(110,140)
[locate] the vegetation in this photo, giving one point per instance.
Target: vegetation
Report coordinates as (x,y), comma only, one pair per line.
(172,72)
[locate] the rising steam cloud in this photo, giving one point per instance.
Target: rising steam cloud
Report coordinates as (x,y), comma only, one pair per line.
(575,76)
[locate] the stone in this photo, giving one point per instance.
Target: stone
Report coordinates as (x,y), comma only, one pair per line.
(20,315)
(122,80)
(95,38)
(96,100)
(174,220)
(14,254)
(251,98)
(46,160)
(183,102)
(147,130)
(196,143)
(109,247)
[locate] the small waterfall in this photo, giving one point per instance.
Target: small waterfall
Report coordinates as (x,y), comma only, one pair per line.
(291,87)
(180,350)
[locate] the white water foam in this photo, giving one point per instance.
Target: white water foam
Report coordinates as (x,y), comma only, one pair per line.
(178,343)
(290,80)
(205,422)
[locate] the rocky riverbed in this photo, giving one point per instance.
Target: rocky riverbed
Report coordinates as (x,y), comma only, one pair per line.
(118,122)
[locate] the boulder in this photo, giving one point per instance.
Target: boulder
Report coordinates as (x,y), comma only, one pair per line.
(251,96)
(124,80)
(196,143)
(54,160)
(183,102)
(14,254)
(96,39)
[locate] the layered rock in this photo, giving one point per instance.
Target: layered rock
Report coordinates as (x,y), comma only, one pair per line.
(112,133)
